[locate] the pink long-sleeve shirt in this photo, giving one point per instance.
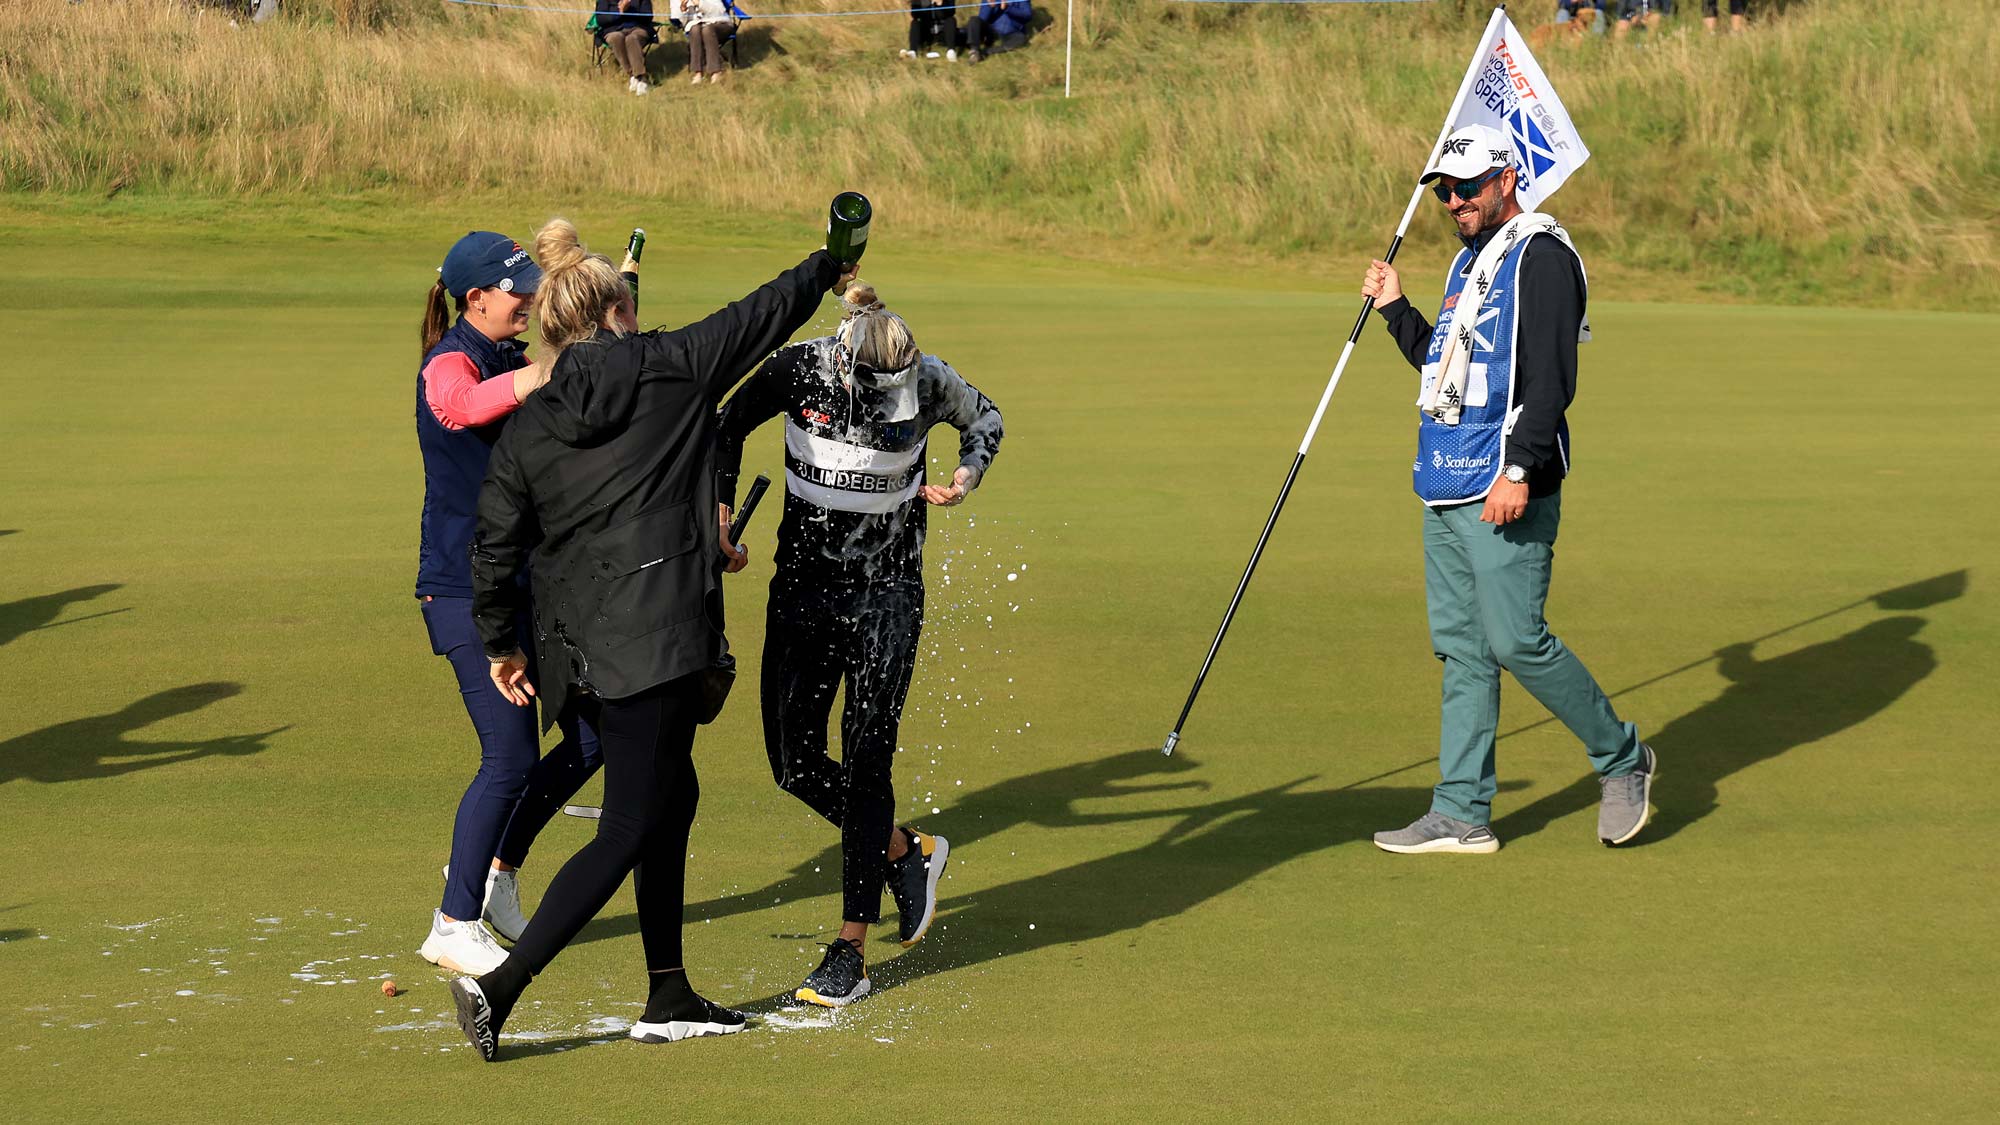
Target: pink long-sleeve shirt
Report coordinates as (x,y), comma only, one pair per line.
(457,396)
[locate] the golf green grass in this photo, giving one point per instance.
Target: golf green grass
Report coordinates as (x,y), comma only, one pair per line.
(228,760)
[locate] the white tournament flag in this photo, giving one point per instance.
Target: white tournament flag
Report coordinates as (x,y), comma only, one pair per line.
(1509,92)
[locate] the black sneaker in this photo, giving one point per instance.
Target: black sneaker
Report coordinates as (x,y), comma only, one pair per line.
(705,1018)
(840,980)
(475,1017)
(913,881)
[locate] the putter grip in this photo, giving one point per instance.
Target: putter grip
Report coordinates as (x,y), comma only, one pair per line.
(748,509)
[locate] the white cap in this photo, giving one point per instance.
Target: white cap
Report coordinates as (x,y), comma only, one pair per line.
(1468,154)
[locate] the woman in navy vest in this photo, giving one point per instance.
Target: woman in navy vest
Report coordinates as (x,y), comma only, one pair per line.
(475,374)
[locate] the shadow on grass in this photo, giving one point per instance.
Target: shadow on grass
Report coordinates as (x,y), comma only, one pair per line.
(30,614)
(15,935)
(1206,850)
(97,747)
(1045,800)
(1770,707)
(522,1049)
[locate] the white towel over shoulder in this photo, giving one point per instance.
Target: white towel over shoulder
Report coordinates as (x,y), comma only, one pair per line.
(1443,393)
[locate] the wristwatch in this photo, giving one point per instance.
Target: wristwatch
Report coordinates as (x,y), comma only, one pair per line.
(1515,474)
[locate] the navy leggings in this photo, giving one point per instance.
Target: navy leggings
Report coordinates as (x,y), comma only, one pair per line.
(517,789)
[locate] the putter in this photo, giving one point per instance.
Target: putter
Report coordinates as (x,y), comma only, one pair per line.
(736,526)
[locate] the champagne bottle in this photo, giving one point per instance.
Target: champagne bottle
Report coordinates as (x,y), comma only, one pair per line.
(630,269)
(847,227)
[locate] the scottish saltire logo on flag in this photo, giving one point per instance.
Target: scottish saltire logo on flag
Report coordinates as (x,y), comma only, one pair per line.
(1511,94)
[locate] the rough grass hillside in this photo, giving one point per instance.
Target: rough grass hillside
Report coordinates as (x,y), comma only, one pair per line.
(1836,154)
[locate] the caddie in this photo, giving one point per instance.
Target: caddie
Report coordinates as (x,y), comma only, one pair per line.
(1499,370)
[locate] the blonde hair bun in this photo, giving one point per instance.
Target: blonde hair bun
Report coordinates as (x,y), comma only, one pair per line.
(579,289)
(557,246)
(859,298)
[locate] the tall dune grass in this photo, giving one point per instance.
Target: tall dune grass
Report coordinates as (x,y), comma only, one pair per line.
(1843,151)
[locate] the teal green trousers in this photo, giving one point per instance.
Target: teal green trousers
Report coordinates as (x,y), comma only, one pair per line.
(1485,587)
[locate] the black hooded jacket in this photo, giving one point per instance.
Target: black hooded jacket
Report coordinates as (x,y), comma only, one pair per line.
(607,476)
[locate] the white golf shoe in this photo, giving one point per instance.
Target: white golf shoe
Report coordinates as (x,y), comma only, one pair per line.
(501,904)
(462,947)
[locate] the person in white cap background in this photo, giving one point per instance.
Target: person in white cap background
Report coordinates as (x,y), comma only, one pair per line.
(1498,373)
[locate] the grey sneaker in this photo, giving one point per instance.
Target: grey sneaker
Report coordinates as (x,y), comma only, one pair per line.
(1626,806)
(1436,832)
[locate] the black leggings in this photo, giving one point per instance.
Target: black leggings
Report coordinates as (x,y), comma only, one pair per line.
(650,794)
(931,27)
(813,638)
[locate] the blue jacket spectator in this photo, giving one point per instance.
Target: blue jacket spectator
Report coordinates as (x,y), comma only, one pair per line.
(1001,25)
(1006,17)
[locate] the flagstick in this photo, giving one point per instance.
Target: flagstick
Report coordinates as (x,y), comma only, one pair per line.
(1069,36)
(1360,321)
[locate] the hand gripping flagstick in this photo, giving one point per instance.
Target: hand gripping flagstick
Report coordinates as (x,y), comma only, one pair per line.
(1493,27)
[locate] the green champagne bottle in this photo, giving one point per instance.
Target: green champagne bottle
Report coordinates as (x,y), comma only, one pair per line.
(630,269)
(847,227)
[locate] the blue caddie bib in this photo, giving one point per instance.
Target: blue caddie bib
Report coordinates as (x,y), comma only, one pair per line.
(1456,464)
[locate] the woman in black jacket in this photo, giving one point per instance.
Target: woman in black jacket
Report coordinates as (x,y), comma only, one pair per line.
(607,478)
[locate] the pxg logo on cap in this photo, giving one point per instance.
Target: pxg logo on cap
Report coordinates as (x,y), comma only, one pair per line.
(1468,153)
(486,260)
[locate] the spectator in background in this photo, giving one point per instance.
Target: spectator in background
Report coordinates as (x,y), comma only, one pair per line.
(1574,17)
(709,24)
(933,24)
(628,30)
(1646,13)
(1001,25)
(1738,14)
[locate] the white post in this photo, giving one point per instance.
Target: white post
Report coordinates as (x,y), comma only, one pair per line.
(1069,37)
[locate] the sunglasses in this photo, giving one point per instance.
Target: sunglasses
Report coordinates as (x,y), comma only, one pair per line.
(1464,189)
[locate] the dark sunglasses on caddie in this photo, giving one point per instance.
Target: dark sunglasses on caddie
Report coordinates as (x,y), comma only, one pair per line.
(1464,189)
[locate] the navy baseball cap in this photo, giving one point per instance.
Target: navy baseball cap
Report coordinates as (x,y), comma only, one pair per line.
(485,260)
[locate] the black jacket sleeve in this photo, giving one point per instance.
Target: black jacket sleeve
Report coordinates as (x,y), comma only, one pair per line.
(761,397)
(507,532)
(1409,328)
(1552,299)
(720,348)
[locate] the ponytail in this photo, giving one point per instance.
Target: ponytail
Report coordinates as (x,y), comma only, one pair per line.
(579,289)
(437,316)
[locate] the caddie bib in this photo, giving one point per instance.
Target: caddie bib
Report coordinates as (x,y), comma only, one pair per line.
(1459,463)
